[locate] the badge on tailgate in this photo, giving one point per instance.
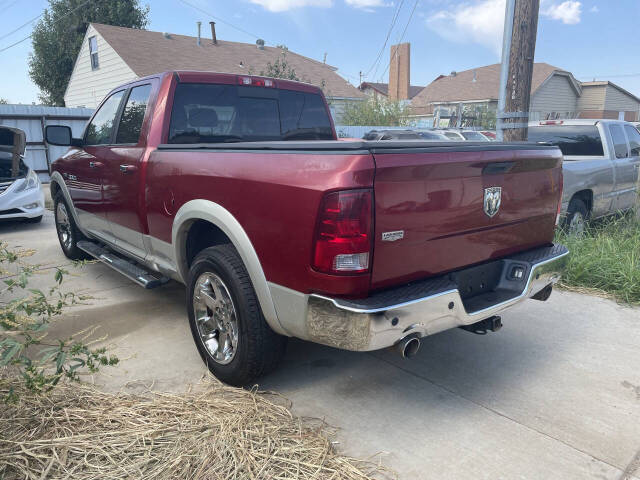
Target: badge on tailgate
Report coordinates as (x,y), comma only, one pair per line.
(492,200)
(392,236)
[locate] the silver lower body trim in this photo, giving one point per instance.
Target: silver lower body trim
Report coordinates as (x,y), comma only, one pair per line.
(356,327)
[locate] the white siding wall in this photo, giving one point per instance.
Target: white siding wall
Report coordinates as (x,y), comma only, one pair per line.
(619,101)
(557,95)
(592,98)
(88,87)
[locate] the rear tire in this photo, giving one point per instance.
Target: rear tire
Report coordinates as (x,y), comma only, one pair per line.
(68,233)
(577,215)
(230,332)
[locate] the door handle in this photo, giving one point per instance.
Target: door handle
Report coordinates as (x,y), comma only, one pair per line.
(95,164)
(128,168)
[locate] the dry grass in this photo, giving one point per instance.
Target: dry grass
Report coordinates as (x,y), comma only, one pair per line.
(218,432)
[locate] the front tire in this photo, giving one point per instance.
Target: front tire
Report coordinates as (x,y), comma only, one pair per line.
(68,233)
(226,320)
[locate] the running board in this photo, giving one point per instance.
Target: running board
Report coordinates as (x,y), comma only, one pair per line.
(132,271)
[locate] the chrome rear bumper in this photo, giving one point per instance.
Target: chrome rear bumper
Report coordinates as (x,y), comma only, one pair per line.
(429,306)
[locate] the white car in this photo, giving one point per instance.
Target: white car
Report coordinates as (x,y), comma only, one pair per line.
(21,193)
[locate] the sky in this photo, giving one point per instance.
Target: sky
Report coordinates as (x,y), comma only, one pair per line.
(593,39)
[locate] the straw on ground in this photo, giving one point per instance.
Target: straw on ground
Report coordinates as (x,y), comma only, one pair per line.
(217,432)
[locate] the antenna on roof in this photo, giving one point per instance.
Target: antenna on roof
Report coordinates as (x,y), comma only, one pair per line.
(324,60)
(260,44)
(475,76)
(199,25)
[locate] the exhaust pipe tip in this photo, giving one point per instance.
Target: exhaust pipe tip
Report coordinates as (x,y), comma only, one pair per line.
(408,347)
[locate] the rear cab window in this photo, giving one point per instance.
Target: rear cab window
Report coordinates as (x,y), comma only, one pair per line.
(634,139)
(212,113)
(573,140)
(619,141)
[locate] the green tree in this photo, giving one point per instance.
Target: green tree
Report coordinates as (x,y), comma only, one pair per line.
(280,69)
(374,111)
(58,36)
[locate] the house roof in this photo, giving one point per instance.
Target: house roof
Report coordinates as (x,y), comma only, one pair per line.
(461,87)
(147,53)
(605,83)
(383,88)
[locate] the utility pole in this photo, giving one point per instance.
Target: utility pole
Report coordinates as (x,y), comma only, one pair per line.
(518,50)
(360,77)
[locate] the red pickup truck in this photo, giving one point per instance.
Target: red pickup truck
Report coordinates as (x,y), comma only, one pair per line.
(238,187)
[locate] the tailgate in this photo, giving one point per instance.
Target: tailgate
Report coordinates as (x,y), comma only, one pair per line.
(436,197)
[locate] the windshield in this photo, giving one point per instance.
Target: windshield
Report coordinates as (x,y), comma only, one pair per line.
(431,136)
(475,136)
(573,140)
(208,113)
(11,164)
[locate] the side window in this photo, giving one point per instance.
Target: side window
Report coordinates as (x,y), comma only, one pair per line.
(619,141)
(100,129)
(93,52)
(634,139)
(133,115)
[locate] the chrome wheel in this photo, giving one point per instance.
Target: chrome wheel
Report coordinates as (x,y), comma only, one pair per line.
(577,224)
(63,226)
(216,317)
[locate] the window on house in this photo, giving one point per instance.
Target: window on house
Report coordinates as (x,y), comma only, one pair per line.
(93,52)
(133,115)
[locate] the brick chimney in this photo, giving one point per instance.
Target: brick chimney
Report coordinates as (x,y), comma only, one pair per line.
(399,72)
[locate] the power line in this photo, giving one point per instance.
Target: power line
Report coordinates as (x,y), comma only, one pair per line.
(220,20)
(401,38)
(393,22)
(20,27)
(62,17)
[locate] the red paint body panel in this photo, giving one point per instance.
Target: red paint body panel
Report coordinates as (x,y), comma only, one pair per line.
(274,196)
(437,199)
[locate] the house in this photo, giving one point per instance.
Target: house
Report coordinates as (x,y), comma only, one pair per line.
(555,93)
(608,100)
(110,56)
(381,90)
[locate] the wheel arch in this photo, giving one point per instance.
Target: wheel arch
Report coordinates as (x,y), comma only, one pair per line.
(197,213)
(57,185)
(586,195)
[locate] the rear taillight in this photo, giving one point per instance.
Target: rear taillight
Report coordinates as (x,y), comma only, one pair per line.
(343,235)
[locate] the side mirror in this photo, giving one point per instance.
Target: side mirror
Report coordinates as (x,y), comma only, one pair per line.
(59,135)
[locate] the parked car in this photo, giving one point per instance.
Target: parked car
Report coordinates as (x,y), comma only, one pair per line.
(238,187)
(424,135)
(491,135)
(601,161)
(463,135)
(21,194)
(433,136)
(392,135)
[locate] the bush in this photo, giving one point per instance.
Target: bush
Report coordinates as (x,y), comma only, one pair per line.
(606,258)
(374,111)
(25,316)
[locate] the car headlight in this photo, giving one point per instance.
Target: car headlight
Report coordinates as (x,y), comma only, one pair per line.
(29,182)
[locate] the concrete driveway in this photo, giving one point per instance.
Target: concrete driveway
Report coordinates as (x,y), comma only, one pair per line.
(554,395)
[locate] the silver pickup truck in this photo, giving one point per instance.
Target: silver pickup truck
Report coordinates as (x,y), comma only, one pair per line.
(601,161)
